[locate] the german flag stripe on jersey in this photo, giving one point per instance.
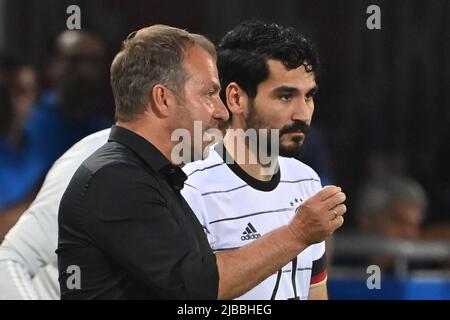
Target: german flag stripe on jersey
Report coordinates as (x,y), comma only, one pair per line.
(319,271)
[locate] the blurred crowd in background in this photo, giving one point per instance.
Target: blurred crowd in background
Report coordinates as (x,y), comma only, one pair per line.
(382,120)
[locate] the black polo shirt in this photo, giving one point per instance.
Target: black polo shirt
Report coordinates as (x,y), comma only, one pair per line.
(124,224)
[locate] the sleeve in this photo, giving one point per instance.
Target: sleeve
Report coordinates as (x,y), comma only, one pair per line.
(31,243)
(132,222)
(15,282)
(195,200)
(319,265)
(28,246)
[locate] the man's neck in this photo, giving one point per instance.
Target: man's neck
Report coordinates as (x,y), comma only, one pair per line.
(155,137)
(248,159)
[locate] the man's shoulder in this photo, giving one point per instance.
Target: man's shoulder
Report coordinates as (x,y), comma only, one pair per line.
(295,169)
(200,170)
(111,162)
(112,156)
(112,170)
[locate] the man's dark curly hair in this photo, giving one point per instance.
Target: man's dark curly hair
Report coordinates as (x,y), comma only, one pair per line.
(243,53)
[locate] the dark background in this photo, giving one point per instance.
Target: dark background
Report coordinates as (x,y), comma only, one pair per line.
(384,94)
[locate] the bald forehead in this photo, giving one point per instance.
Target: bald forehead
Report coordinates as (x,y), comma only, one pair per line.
(198,61)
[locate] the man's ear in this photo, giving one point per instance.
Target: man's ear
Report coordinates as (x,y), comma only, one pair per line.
(162,99)
(237,99)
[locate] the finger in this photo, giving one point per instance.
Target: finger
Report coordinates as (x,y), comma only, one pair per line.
(337,211)
(334,200)
(336,223)
(326,192)
(340,209)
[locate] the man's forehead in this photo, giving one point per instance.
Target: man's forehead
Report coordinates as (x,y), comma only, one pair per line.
(197,56)
(200,64)
(299,77)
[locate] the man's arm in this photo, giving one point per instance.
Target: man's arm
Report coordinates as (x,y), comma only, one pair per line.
(318,291)
(319,273)
(242,269)
(15,282)
(28,246)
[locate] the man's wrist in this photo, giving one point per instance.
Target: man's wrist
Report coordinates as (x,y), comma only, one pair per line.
(296,237)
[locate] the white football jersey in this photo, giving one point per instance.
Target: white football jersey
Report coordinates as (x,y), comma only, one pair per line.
(236,209)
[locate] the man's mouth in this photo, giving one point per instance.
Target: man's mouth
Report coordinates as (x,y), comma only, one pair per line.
(296,133)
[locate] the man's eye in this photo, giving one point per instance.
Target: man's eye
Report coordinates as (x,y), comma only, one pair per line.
(286,98)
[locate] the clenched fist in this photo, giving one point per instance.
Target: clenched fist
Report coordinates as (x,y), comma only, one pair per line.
(319,216)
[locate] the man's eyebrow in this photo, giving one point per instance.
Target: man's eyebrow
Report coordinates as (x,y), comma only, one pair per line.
(286,90)
(216,86)
(313,91)
(208,85)
(294,90)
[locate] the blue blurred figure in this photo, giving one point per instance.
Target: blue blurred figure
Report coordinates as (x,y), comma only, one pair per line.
(71,109)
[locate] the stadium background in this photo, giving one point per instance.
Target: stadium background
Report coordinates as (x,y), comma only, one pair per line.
(384,94)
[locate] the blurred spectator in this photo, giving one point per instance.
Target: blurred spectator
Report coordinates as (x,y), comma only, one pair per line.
(24,95)
(389,209)
(18,92)
(392,206)
(71,109)
(390,214)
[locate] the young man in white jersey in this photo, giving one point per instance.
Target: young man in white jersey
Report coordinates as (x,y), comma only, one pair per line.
(268,78)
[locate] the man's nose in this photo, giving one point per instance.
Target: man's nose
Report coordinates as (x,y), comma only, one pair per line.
(220,111)
(302,111)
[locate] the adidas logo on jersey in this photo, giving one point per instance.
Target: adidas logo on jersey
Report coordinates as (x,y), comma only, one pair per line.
(250,233)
